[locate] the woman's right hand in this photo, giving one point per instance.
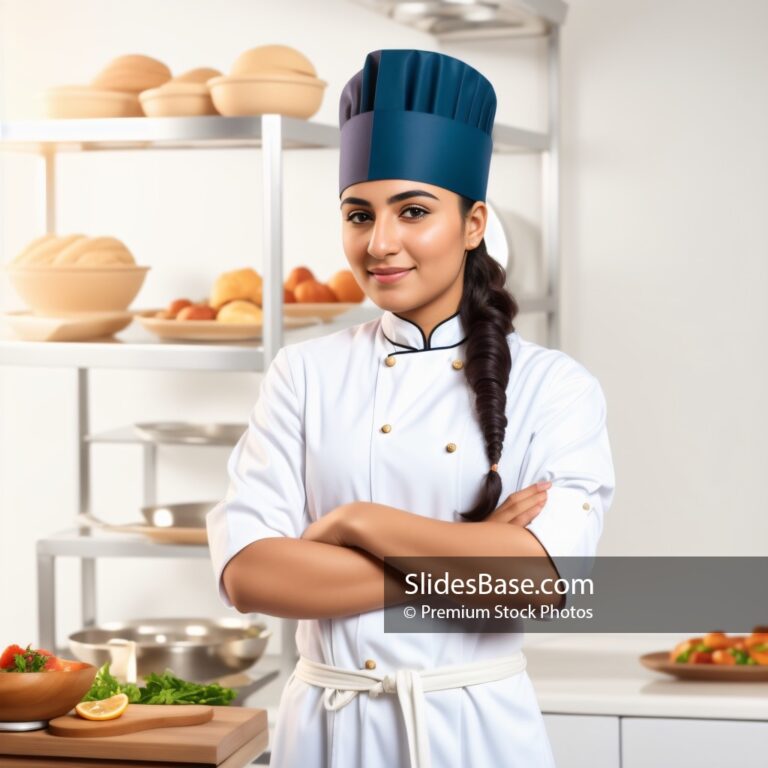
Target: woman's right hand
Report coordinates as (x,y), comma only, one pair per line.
(521,507)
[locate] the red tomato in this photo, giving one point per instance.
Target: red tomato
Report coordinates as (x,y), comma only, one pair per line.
(53,664)
(700,657)
(6,660)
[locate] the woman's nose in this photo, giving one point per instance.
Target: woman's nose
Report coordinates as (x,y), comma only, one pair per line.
(384,237)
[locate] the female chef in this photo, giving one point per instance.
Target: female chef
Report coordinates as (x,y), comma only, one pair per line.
(434,430)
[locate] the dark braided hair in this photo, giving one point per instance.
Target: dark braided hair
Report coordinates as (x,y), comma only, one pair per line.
(487,310)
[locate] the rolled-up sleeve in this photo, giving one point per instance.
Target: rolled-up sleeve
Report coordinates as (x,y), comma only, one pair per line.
(570,447)
(266,495)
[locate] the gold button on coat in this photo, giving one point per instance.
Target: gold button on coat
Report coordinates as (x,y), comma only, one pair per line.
(451,447)
(390,361)
(457,364)
(585,506)
(386,428)
(370,664)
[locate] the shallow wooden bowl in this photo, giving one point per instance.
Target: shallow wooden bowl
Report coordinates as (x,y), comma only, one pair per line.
(26,696)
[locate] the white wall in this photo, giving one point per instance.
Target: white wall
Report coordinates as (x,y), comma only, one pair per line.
(664,238)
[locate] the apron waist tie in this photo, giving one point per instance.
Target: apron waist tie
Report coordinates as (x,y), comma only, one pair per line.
(342,685)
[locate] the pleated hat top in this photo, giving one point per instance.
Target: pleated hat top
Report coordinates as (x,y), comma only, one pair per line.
(420,116)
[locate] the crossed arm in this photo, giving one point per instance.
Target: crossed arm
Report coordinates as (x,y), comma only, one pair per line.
(337,569)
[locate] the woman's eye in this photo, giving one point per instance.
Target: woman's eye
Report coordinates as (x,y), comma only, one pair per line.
(418,213)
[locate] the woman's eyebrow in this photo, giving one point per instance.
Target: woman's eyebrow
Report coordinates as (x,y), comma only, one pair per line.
(394,199)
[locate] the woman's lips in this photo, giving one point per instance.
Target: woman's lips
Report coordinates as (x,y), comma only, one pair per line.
(393,277)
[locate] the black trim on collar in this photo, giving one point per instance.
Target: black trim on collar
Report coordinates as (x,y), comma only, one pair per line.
(426,341)
(411,350)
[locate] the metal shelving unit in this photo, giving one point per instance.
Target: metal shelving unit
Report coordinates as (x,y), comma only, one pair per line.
(135,348)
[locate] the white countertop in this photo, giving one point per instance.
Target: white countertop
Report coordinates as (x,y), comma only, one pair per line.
(600,674)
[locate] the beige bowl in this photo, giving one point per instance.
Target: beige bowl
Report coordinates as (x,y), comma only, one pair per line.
(177,100)
(65,291)
(27,696)
(292,95)
(80,101)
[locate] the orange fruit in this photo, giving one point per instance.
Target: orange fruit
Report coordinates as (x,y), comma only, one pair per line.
(344,285)
(298,275)
(312,291)
(105,709)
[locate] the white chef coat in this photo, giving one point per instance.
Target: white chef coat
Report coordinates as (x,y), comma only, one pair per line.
(315,441)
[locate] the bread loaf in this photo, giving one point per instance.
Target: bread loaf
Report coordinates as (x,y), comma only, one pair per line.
(240,312)
(238,284)
(132,73)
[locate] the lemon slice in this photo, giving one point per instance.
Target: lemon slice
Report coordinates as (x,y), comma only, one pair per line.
(106,709)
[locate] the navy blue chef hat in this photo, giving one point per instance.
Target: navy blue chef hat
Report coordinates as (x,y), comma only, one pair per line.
(417,115)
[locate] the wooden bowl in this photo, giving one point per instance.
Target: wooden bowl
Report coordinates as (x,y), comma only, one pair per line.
(67,290)
(26,696)
(294,95)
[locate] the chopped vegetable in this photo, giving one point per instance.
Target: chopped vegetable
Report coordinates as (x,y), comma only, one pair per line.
(17,659)
(160,689)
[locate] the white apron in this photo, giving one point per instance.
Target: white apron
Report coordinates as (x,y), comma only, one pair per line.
(315,441)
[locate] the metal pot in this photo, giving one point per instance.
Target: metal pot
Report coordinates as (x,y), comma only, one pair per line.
(197,650)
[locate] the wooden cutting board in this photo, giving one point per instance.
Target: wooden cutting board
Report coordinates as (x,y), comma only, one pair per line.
(210,743)
(138,717)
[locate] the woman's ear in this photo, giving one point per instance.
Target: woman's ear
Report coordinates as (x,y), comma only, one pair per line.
(475,225)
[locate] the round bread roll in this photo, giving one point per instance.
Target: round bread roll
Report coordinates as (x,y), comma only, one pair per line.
(199,75)
(94,251)
(240,311)
(272,57)
(238,284)
(21,257)
(46,250)
(132,73)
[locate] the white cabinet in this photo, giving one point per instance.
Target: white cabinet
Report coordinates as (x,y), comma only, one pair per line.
(584,741)
(648,742)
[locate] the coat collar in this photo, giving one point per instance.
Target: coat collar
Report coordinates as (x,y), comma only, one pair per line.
(408,335)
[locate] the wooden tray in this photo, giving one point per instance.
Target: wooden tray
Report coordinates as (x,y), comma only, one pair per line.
(211,330)
(325,310)
(659,662)
(210,743)
(95,326)
(138,717)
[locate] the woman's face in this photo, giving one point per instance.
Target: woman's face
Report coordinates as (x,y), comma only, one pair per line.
(414,227)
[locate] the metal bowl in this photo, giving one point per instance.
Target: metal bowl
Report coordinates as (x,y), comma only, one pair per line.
(191,515)
(197,650)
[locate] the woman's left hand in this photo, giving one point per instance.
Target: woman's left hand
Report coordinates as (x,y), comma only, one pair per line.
(330,528)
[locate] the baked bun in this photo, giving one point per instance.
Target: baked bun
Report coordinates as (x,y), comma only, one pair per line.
(240,311)
(199,75)
(272,57)
(238,284)
(132,73)
(94,252)
(43,250)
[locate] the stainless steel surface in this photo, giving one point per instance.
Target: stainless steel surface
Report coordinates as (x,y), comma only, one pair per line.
(272,236)
(126,133)
(29,725)
(196,649)
(474,19)
(189,515)
(551,192)
(190,434)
